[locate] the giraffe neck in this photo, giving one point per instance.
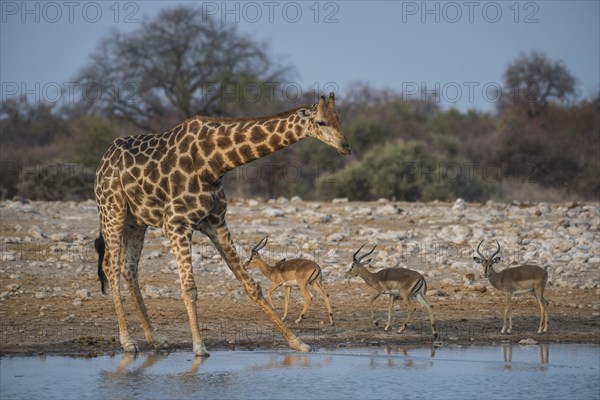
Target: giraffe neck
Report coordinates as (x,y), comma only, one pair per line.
(233,143)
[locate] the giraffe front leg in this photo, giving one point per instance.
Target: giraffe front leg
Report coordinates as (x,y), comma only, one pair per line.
(221,238)
(181,247)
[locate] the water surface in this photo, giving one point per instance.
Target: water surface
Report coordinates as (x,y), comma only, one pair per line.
(502,372)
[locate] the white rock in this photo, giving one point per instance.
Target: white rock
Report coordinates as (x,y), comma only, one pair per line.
(340,200)
(35,232)
(296,199)
(252,203)
(83,294)
(273,212)
(528,342)
(459,205)
(40,295)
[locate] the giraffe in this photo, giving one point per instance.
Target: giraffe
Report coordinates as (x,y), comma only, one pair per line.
(173,180)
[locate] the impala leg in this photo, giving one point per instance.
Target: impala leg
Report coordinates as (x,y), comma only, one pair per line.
(221,238)
(390,308)
(307,300)
(133,240)
(539,295)
(371,300)
(423,300)
(411,310)
(286,302)
(319,288)
(507,313)
(269,293)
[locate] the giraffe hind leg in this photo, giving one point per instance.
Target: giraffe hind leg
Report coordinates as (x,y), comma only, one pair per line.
(133,240)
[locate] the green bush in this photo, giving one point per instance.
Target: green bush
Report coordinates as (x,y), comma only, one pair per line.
(405,171)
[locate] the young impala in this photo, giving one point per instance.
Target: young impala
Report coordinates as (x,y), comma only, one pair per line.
(402,282)
(290,273)
(518,280)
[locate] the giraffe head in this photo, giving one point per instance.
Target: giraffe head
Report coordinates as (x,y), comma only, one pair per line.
(324,124)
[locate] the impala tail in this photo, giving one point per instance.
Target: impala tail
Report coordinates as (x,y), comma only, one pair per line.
(99,245)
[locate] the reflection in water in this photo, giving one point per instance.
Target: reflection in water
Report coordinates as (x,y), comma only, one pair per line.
(126,375)
(507,352)
(462,371)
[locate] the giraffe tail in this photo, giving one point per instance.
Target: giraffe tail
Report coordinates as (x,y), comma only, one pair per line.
(99,245)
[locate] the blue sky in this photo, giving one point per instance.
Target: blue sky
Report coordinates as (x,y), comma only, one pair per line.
(460,48)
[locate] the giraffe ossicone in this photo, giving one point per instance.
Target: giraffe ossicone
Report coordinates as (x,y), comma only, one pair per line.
(172,180)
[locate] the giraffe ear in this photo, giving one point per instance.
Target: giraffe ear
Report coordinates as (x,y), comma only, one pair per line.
(304,113)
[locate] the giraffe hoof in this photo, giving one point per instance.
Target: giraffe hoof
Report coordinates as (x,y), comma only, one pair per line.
(200,350)
(130,346)
(301,347)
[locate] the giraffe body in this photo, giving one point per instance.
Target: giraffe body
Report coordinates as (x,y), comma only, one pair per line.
(172,180)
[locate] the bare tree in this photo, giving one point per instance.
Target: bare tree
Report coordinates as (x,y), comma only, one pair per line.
(179,64)
(533,79)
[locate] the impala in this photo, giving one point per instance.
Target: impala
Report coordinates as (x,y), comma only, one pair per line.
(290,273)
(402,282)
(518,280)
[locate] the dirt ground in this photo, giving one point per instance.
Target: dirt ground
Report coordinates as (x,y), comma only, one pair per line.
(51,300)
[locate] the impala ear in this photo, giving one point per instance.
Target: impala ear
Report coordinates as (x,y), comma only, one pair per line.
(495,260)
(478,260)
(367,262)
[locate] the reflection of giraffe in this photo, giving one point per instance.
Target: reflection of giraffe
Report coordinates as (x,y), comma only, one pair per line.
(172,180)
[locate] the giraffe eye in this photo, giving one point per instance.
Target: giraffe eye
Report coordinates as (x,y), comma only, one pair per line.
(321,123)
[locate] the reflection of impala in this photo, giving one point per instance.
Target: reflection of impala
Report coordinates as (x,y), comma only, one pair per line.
(518,280)
(402,282)
(289,273)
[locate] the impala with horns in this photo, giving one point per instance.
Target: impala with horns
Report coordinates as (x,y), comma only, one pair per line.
(397,282)
(518,280)
(290,273)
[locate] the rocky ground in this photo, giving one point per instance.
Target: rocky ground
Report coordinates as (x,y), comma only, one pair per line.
(50,297)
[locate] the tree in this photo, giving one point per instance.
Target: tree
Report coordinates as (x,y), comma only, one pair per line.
(533,80)
(180,64)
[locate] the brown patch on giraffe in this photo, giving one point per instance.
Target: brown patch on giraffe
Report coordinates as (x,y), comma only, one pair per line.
(282,127)
(263,150)
(151,172)
(271,126)
(191,202)
(147,187)
(206,175)
(193,184)
(177,183)
(168,162)
(187,164)
(257,135)
(127,178)
(207,146)
(246,152)
(224,142)
(184,144)
(234,157)
(274,140)
(194,126)
(239,137)
(141,159)
(161,195)
(206,201)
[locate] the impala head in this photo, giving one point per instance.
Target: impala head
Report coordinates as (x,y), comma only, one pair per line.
(358,262)
(255,259)
(325,124)
(487,262)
